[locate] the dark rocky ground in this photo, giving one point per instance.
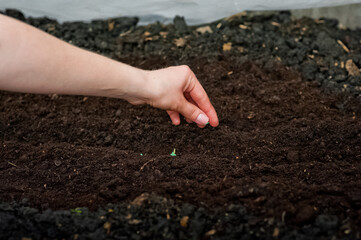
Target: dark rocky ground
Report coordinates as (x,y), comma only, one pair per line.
(317,48)
(284,163)
(153,217)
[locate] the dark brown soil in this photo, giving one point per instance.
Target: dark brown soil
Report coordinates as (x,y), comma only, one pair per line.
(283,149)
(284,162)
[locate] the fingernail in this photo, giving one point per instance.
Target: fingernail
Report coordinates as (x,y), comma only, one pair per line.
(202,119)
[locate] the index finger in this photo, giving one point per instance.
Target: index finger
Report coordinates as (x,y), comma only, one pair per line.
(200,97)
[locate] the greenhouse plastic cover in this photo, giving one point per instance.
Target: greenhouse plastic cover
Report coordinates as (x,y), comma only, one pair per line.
(194,11)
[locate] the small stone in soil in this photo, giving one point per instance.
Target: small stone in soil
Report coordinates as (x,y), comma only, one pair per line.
(57,163)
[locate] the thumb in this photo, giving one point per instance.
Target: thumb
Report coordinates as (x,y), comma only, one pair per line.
(192,112)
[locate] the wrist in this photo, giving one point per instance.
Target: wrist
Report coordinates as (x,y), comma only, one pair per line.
(130,84)
(138,87)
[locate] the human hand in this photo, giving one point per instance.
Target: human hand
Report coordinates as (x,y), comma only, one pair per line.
(79,72)
(178,91)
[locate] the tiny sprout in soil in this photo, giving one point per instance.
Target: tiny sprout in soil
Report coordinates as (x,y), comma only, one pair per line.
(173,153)
(76,210)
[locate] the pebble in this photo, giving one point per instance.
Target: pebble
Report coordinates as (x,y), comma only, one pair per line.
(57,162)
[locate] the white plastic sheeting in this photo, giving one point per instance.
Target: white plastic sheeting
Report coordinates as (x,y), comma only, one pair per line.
(194,11)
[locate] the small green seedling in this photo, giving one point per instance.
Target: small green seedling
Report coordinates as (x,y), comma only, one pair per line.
(173,153)
(141,154)
(76,210)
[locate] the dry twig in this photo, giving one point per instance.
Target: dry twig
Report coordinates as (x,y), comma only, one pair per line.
(343,46)
(145,164)
(12,164)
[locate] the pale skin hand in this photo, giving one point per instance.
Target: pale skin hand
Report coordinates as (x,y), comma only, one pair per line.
(35,62)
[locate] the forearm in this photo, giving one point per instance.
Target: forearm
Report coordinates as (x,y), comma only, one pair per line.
(36,62)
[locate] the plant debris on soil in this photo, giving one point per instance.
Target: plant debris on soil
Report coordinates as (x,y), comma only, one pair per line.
(283,163)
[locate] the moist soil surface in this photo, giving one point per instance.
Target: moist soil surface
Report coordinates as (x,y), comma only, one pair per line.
(283,163)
